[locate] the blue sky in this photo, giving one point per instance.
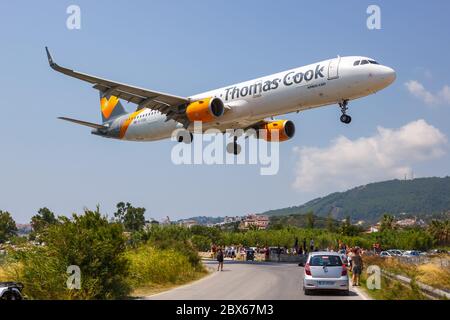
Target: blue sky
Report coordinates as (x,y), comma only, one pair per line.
(184,48)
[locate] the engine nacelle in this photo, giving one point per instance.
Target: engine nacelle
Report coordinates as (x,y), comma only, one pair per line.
(285,129)
(205,110)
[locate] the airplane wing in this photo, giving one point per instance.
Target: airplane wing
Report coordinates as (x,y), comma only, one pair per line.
(165,103)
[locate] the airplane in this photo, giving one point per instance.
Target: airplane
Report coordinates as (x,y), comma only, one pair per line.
(246,105)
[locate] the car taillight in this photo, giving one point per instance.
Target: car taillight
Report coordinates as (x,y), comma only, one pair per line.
(344,270)
(307,270)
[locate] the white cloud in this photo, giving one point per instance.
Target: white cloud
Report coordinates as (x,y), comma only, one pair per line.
(444,94)
(388,154)
(418,90)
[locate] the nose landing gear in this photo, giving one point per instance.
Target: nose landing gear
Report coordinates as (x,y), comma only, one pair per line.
(345,118)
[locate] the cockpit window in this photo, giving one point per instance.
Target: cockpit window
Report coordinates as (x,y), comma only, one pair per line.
(356,63)
(373,62)
(364,62)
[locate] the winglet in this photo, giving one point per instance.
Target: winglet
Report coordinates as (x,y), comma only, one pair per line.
(50,59)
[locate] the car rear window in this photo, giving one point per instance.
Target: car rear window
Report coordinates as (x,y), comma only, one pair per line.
(325,260)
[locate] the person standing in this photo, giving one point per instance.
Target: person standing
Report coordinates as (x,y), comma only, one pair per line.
(296,245)
(304,246)
(357,266)
(220,259)
(311,245)
(349,258)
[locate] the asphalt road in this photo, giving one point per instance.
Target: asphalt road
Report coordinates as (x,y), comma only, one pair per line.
(250,281)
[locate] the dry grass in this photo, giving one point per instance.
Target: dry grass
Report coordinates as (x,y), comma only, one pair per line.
(433,273)
(155,270)
(3,275)
(393,290)
(9,271)
(154,288)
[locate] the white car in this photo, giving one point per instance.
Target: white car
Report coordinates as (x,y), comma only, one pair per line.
(411,253)
(325,271)
(385,254)
(395,252)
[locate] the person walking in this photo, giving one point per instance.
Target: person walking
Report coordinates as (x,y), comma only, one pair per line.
(357,266)
(220,259)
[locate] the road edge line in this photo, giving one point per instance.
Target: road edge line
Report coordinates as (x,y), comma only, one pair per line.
(361,293)
(211,272)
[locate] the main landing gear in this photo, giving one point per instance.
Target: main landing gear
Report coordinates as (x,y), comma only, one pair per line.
(185,136)
(233,147)
(345,118)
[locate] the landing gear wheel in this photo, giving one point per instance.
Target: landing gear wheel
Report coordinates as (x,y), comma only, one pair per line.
(233,148)
(185,137)
(346,119)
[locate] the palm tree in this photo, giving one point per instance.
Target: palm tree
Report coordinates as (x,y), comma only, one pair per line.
(440,230)
(387,223)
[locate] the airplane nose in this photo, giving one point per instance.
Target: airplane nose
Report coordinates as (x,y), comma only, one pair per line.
(388,75)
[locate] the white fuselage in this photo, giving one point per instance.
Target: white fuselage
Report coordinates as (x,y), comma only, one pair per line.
(319,84)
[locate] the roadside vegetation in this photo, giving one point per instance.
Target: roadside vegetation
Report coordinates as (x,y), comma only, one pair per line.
(434,272)
(116,258)
(393,290)
(124,257)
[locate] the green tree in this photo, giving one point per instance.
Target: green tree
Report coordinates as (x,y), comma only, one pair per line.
(348,229)
(88,241)
(133,219)
(41,221)
(387,222)
(330,223)
(201,243)
(310,220)
(8,227)
(440,230)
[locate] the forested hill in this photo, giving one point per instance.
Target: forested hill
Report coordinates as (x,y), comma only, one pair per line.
(419,197)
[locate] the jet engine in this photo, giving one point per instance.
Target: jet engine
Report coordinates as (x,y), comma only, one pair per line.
(205,110)
(285,129)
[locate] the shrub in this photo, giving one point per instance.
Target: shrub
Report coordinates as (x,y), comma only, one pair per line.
(88,241)
(150,265)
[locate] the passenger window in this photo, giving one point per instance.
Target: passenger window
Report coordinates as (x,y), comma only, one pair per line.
(356,63)
(364,62)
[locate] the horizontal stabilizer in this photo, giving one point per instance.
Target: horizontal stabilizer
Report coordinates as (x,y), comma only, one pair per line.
(84,123)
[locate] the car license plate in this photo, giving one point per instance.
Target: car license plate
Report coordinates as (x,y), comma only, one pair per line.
(326,283)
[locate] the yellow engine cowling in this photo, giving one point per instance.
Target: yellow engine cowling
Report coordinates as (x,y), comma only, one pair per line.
(285,129)
(205,110)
